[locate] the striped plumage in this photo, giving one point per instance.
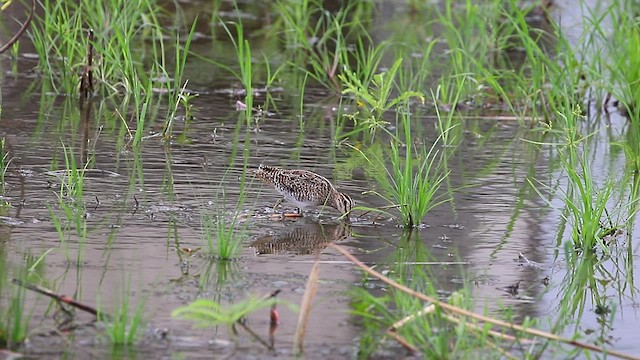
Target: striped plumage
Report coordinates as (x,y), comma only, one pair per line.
(305,188)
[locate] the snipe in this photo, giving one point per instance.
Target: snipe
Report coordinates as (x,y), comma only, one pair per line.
(305,188)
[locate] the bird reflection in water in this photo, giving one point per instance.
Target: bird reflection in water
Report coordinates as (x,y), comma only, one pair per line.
(302,238)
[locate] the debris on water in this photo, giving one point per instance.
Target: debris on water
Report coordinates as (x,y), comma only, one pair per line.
(163,79)
(521,257)
(602,309)
(6,220)
(189,251)
(30,56)
(26,172)
(523,261)
(512,289)
(160,333)
(86,172)
(165,208)
(160,90)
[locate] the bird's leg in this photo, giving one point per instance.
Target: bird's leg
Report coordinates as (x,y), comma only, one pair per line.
(296,214)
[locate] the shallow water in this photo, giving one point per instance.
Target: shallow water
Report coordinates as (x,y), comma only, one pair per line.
(139,220)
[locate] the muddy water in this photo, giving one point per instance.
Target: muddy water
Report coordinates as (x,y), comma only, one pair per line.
(138,221)
(140,215)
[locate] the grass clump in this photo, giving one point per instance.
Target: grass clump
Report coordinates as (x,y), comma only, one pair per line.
(624,63)
(409,174)
(60,37)
(317,40)
(374,99)
(418,320)
(587,207)
(223,239)
(245,72)
(124,328)
(14,319)
(585,204)
(223,234)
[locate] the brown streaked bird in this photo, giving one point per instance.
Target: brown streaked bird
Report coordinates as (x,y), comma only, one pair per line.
(305,188)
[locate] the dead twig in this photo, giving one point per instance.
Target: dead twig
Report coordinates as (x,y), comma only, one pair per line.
(405,344)
(463,312)
(254,335)
(62,299)
(400,323)
(20,32)
(431,308)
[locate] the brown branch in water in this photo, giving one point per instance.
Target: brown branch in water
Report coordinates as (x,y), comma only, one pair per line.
(61,298)
(405,344)
(20,32)
(400,323)
(463,312)
(431,308)
(254,335)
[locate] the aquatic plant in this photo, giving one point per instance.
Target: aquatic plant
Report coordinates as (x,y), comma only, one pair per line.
(419,326)
(176,87)
(72,177)
(60,35)
(587,208)
(14,327)
(222,236)
(71,202)
(118,31)
(122,327)
(74,218)
(409,179)
(488,71)
(317,47)
(446,328)
(587,280)
(585,204)
(14,316)
(210,313)
(245,73)
(207,313)
(375,100)
(623,63)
